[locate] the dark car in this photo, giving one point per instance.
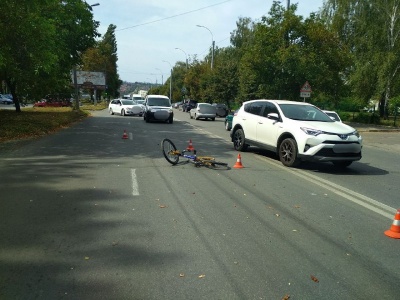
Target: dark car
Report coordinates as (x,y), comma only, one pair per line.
(222,109)
(188,105)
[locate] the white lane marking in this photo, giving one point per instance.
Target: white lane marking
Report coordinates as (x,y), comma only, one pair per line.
(369,203)
(135,186)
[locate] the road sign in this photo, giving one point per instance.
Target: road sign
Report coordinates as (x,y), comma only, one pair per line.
(305,91)
(306,88)
(305,94)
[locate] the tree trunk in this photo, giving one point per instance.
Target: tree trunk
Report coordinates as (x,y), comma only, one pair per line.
(12,86)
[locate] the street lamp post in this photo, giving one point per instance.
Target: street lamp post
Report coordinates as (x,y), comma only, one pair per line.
(185,56)
(96,4)
(162,79)
(170,80)
(212,44)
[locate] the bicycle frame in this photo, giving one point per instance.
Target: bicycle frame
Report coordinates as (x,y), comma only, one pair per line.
(172,155)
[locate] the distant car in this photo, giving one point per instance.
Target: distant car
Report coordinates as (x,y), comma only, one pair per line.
(125,107)
(140,103)
(203,111)
(222,110)
(333,115)
(158,108)
(53,103)
(137,97)
(228,120)
(177,104)
(5,100)
(188,105)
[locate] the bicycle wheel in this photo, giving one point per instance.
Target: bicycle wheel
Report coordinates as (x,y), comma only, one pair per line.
(169,151)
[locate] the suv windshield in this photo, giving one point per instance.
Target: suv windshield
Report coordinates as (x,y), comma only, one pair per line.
(158,102)
(304,113)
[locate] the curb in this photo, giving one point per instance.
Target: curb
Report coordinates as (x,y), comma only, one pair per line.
(373,128)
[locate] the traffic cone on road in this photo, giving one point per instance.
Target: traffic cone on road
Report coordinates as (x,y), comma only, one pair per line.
(190,147)
(394,231)
(125,135)
(238,163)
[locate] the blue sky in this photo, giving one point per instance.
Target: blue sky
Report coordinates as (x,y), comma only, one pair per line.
(148,32)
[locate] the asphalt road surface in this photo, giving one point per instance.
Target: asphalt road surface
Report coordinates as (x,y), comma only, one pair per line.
(85,214)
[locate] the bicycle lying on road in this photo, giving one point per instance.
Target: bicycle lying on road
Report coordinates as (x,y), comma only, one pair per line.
(172,155)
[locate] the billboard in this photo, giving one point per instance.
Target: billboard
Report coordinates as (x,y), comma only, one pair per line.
(86,79)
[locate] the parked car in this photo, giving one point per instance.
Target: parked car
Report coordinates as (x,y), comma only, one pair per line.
(203,111)
(188,105)
(296,132)
(53,103)
(177,104)
(5,100)
(222,110)
(333,115)
(125,107)
(158,108)
(228,120)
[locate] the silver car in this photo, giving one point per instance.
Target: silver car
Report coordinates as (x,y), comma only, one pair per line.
(203,111)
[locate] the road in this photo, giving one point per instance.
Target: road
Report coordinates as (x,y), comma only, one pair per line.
(86,214)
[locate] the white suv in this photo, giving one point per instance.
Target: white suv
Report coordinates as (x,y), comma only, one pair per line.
(296,131)
(158,108)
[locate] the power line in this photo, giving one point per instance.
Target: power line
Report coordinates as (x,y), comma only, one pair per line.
(174,16)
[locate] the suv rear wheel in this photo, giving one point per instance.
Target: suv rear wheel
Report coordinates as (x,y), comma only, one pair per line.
(288,153)
(239,140)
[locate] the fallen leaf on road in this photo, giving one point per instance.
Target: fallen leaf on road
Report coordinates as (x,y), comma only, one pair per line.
(315,279)
(286,297)
(162,206)
(87,257)
(202,276)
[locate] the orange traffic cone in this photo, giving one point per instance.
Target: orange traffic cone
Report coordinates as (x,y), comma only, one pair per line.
(238,163)
(190,147)
(394,231)
(125,135)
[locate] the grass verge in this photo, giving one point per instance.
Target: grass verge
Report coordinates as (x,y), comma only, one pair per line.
(36,122)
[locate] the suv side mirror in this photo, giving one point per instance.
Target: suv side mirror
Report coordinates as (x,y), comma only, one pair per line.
(273,116)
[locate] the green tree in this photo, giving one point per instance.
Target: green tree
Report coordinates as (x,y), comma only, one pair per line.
(223,83)
(40,41)
(108,50)
(371,28)
(286,52)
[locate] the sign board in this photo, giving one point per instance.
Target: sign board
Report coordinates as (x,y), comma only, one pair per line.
(306,87)
(305,91)
(87,79)
(305,94)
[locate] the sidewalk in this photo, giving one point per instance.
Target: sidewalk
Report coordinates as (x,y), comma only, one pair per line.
(372,127)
